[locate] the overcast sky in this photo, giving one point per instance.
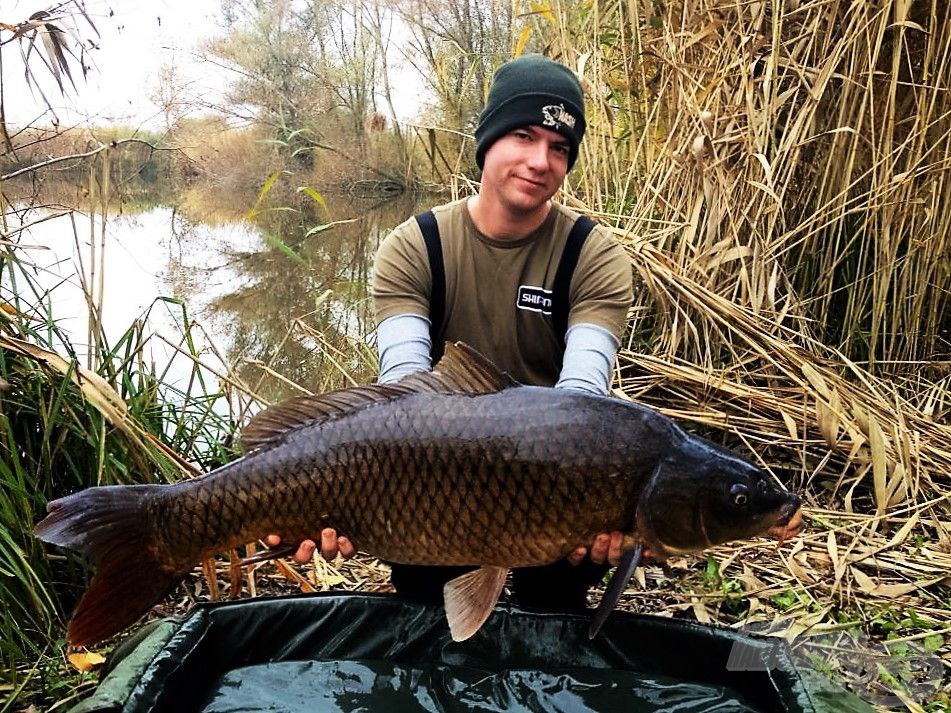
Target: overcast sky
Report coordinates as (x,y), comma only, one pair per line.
(137,38)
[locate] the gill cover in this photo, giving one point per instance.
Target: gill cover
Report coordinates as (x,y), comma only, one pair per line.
(702,495)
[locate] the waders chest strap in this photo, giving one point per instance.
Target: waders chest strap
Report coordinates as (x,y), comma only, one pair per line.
(437,297)
(566,267)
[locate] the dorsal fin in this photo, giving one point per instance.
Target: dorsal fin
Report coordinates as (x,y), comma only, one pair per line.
(269,425)
(461,370)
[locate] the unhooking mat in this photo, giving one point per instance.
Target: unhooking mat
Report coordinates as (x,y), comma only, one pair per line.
(357,652)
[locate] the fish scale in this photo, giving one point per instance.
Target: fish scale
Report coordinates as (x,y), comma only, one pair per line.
(453,492)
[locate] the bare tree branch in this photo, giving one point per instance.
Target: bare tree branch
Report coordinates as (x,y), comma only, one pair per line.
(72,157)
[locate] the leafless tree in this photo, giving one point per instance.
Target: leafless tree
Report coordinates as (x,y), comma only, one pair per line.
(456,45)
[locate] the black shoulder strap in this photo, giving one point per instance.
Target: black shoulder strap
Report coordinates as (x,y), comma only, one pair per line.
(566,268)
(437,299)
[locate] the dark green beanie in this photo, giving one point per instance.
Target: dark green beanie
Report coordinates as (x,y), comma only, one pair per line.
(532,90)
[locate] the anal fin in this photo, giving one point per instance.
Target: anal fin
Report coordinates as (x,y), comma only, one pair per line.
(470,599)
(622,575)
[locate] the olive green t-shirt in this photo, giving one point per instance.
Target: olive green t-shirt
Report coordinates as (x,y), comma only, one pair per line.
(496,289)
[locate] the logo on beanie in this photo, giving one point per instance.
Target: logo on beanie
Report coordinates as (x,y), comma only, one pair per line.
(556,115)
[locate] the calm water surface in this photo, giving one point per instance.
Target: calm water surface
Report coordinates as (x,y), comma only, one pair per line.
(261,292)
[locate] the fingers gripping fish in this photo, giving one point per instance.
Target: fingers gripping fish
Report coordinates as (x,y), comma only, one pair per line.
(421,472)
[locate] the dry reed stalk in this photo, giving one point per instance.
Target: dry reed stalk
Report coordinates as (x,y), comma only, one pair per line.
(794,157)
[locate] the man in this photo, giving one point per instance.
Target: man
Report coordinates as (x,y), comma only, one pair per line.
(503,271)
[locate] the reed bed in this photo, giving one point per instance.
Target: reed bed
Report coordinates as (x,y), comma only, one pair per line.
(70,420)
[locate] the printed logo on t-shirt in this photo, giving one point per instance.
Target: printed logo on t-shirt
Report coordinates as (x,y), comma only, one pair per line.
(534,299)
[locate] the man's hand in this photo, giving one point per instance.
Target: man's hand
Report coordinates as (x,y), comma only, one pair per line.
(330,546)
(606,548)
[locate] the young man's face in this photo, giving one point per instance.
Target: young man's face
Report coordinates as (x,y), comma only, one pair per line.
(525,168)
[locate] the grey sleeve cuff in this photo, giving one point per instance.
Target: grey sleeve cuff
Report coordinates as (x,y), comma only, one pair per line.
(589,358)
(404,345)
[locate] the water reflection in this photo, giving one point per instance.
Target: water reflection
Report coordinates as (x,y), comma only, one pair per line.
(303,306)
(281,306)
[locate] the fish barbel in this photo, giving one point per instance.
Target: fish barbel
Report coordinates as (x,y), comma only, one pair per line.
(460,466)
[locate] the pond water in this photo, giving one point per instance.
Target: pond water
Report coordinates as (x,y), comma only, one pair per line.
(270,298)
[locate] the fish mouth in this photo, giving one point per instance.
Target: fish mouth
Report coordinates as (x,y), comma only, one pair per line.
(789,524)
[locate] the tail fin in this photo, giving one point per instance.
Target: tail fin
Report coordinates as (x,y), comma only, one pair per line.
(110,526)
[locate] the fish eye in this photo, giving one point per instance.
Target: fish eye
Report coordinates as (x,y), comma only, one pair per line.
(739,493)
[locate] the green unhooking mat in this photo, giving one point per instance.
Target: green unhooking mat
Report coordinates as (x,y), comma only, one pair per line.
(354,652)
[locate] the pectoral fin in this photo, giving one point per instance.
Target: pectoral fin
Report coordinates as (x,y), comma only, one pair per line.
(622,575)
(470,599)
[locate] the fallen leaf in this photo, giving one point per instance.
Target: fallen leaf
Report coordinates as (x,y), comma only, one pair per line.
(332,580)
(897,489)
(700,610)
(837,566)
(750,581)
(826,423)
(815,378)
(879,464)
(804,624)
(640,577)
(799,572)
(869,586)
(790,425)
(678,563)
(86,661)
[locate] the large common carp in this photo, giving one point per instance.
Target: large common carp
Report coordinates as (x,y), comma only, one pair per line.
(461,466)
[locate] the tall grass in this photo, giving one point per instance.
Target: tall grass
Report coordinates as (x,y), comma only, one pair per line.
(64,427)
